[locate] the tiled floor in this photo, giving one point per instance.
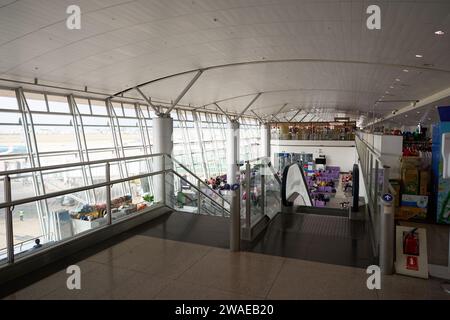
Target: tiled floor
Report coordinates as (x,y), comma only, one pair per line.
(145,267)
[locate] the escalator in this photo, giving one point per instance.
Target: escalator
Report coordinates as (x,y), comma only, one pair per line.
(329,235)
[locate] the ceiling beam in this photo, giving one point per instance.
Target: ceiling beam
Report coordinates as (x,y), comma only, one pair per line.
(226,115)
(255,62)
(259,118)
(185,90)
(281,109)
(303,117)
(295,114)
(430,100)
(250,104)
(155,108)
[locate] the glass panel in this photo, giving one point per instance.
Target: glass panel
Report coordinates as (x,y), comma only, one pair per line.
(83,106)
(58,104)
(36,102)
(129,110)
(12,139)
(8,100)
(98,107)
(45,136)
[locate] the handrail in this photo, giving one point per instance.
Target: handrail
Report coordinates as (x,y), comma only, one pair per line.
(195,176)
(372,150)
(74,190)
(269,165)
(77,164)
(256,159)
(199,190)
(284,197)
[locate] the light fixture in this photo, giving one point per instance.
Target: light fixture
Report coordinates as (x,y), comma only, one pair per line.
(405,70)
(418,112)
(397,79)
(406,116)
(439,32)
(387,92)
(419,56)
(392,87)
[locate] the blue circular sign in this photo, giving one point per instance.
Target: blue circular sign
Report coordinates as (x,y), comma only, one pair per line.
(387,197)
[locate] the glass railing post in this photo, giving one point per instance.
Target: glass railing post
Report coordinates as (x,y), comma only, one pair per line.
(108,191)
(247,199)
(375,187)
(387,238)
(199,198)
(163,185)
(262,200)
(9,220)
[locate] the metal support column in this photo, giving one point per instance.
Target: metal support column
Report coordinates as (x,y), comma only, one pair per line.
(248,207)
(33,154)
(108,192)
(199,197)
(118,151)
(9,221)
(387,237)
(263,191)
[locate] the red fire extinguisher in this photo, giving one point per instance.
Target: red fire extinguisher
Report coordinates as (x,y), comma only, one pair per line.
(411,243)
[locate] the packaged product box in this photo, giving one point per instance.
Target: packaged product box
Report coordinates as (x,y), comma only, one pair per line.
(413,206)
(410,163)
(406,213)
(424,182)
(410,179)
(415,201)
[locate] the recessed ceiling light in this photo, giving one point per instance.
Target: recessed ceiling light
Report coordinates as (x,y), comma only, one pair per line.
(292,109)
(418,112)
(406,116)
(397,79)
(387,92)
(392,87)
(405,70)
(419,56)
(439,32)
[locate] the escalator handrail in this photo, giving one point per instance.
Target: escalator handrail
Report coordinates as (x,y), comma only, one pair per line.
(284,199)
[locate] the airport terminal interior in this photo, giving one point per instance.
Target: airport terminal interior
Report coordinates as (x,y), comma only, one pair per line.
(224,149)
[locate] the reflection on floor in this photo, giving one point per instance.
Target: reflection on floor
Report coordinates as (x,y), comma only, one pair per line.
(145,267)
(322,238)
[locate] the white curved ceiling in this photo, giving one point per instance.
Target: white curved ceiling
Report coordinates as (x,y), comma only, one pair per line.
(336,65)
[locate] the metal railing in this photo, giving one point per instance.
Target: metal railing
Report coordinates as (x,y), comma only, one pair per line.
(9,204)
(376,181)
(349,136)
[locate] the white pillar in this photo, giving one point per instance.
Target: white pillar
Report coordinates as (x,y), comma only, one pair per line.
(265,140)
(232,171)
(232,150)
(162,143)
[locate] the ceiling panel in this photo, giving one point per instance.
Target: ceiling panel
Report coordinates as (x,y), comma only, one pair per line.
(124,43)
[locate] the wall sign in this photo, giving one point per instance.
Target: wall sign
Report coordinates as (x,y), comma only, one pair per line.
(411,252)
